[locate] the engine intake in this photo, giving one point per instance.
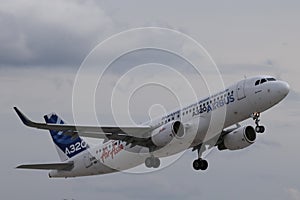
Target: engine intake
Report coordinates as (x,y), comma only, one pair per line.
(238,139)
(164,134)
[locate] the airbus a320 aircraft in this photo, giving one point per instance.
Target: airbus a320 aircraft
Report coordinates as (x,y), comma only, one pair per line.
(128,147)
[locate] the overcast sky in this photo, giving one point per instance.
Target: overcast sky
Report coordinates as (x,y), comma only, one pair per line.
(43,43)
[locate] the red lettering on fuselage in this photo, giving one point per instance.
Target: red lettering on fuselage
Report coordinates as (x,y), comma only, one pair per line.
(112,152)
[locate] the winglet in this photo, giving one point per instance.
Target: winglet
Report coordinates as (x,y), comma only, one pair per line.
(24,119)
(45,126)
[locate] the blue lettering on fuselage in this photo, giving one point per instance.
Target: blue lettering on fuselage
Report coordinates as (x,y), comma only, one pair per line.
(206,105)
(214,105)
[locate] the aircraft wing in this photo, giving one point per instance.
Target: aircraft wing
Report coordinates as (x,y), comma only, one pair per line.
(48,166)
(130,134)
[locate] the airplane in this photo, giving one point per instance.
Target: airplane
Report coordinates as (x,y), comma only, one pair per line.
(126,147)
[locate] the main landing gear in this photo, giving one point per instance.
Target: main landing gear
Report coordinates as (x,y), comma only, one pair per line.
(152,162)
(200,164)
(258,128)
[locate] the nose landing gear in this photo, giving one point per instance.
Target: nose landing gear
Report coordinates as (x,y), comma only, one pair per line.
(258,128)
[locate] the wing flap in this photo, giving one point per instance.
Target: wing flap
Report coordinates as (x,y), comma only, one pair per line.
(48,166)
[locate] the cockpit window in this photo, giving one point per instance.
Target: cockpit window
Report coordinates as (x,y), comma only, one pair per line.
(263,80)
(258,82)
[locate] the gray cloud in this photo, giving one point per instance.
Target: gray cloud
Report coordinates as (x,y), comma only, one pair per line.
(50,32)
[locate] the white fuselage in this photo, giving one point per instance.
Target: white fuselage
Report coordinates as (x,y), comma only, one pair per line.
(202,121)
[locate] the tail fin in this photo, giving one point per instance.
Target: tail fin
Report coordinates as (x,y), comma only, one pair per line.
(67,146)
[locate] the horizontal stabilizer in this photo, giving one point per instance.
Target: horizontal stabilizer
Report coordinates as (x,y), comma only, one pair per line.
(49,166)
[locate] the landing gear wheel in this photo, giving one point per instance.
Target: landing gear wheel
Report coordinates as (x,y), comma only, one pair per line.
(200,164)
(148,162)
(156,162)
(196,164)
(260,129)
(204,165)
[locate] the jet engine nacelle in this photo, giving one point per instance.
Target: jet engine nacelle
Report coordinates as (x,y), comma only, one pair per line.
(238,139)
(164,134)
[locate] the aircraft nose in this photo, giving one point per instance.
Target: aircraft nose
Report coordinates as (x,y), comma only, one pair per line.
(285,88)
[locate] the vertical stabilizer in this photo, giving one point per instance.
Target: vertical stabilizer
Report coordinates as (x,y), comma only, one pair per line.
(67,146)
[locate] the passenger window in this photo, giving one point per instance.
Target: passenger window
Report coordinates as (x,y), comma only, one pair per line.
(263,81)
(271,79)
(257,82)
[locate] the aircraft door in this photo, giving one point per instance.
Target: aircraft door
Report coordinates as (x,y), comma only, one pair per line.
(87,160)
(240,90)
